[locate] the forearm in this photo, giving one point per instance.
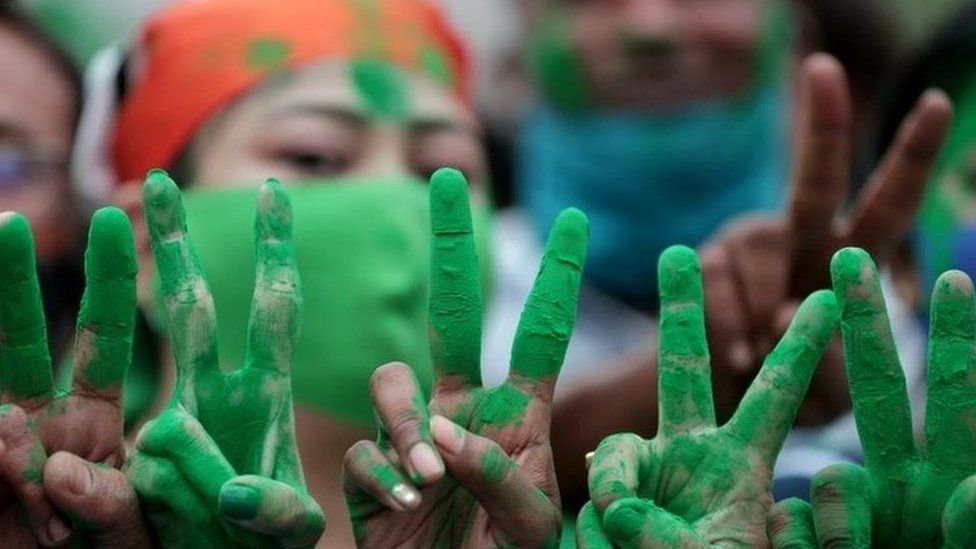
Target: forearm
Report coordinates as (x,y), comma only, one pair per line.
(624,400)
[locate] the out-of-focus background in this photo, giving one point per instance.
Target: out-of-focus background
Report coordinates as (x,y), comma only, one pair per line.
(492,27)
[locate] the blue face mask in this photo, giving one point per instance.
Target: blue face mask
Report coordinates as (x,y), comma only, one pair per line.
(649,181)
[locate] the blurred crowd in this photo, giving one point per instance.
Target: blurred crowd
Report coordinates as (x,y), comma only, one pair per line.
(764,135)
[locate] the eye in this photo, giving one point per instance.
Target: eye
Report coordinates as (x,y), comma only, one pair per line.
(314,162)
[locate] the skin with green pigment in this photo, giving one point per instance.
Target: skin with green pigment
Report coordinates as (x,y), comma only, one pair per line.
(380,87)
(558,69)
(906,495)
(506,429)
(219,466)
(696,484)
(85,419)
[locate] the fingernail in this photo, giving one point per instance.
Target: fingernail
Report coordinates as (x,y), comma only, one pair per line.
(589,459)
(239,502)
(406,496)
(57,530)
(425,462)
(447,434)
(80,481)
(740,356)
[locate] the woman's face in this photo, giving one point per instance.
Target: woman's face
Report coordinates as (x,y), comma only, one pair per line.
(340,119)
(657,54)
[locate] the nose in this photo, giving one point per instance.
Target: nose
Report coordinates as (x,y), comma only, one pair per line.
(652,26)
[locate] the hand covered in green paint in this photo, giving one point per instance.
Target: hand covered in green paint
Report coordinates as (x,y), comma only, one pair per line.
(220,465)
(60,450)
(695,484)
(757,269)
(500,487)
(905,496)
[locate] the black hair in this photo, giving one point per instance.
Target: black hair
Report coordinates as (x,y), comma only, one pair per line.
(945,62)
(14,15)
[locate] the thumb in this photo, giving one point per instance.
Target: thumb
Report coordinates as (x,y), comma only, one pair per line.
(518,510)
(959,516)
(99,498)
(273,508)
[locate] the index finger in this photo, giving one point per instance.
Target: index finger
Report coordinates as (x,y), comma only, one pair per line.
(25,364)
(684,373)
(277,305)
(547,321)
(878,392)
(888,206)
(774,397)
(189,303)
(103,344)
(820,175)
(455,289)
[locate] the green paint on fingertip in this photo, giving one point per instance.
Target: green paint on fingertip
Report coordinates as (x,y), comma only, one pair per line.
(380,86)
(571,234)
(449,204)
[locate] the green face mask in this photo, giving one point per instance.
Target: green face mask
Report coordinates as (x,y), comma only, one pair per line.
(362,252)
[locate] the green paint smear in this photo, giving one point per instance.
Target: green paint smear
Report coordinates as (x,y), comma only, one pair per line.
(380,87)
(494,465)
(558,69)
(505,405)
(107,318)
(268,53)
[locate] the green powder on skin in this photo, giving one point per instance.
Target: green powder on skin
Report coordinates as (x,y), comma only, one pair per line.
(107,317)
(494,465)
(505,405)
(550,312)
(380,87)
(684,373)
(455,289)
(558,68)
(25,366)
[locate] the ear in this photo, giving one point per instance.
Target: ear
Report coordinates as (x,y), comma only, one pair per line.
(128,197)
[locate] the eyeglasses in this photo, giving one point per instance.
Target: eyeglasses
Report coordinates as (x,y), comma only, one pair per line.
(20,167)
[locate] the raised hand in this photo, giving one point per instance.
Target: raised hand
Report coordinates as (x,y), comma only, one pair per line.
(500,487)
(696,484)
(60,450)
(905,496)
(220,465)
(757,269)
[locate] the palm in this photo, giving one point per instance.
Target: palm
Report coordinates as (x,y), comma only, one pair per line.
(696,484)
(513,418)
(86,420)
(907,487)
(224,431)
(737,477)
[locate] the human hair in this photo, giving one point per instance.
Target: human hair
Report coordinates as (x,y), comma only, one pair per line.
(14,15)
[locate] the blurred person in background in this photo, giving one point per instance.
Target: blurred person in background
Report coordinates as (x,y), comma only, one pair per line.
(352,105)
(40,100)
(945,236)
(668,122)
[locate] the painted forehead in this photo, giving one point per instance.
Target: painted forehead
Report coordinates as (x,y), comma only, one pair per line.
(372,88)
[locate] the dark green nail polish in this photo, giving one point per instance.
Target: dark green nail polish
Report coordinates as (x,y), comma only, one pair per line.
(239,502)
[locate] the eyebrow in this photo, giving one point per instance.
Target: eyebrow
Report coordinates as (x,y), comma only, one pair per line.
(348,116)
(422,124)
